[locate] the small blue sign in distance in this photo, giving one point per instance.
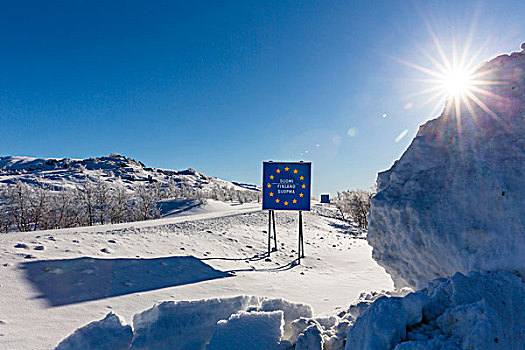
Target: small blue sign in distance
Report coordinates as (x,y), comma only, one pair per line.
(286,186)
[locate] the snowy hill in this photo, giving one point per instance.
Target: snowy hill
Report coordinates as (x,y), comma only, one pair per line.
(120,171)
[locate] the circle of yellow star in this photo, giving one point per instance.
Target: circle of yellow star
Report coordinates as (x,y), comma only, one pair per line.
(278,171)
(286,169)
(269,185)
(271,177)
(301,178)
(277,200)
(295,171)
(294,201)
(301,195)
(303,186)
(271,194)
(285,203)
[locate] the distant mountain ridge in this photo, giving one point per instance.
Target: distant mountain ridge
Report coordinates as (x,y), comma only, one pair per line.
(61,173)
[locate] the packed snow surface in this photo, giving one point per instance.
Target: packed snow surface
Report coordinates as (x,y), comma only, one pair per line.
(455,200)
(56,281)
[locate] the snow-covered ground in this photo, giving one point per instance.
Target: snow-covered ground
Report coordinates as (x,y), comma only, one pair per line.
(53,282)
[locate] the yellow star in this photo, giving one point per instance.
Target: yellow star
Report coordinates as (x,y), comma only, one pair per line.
(269,185)
(271,177)
(301,178)
(295,171)
(277,200)
(285,203)
(294,201)
(286,169)
(278,171)
(271,194)
(301,195)
(303,186)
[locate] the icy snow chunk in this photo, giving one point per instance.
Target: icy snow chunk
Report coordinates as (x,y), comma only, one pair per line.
(310,339)
(108,333)
(184,324)
(455,201)
(384,323)
(292,311)
(474,311)
(248,330)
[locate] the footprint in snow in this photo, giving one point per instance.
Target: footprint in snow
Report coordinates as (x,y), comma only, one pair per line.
(39,247)
(112,241)
(105,250)
(21,245)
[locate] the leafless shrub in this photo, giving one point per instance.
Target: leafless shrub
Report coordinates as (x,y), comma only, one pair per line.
(354,205)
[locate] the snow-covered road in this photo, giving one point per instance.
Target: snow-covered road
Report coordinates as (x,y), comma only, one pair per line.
(52,282)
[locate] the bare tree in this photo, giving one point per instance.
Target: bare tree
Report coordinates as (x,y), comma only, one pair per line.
(86,195)
(354,205)
(17,196)
(6,219)
(101,199)
(146,203)
(118,205)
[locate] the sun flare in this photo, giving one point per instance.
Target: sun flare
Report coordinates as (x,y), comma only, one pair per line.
(457,82)
(454,78)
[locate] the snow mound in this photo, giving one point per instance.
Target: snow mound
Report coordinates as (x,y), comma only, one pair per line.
(474,311)
(248,330)
(108,333)
(455,201)
(185,324)
(242,322)
(291,312)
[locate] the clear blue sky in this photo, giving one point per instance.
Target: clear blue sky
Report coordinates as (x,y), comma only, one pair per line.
(221,86)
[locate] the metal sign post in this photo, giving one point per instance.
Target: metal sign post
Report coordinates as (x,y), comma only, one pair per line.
(286,186)
(271,219)
(300,250)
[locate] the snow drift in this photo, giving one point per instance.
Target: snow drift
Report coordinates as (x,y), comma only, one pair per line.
(455,200)
(106,334)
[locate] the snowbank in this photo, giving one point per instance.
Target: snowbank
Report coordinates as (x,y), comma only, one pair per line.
(455,201)
(185,324)
(108,333)
(476,311)
(248,330)
(241,322)
(291,312)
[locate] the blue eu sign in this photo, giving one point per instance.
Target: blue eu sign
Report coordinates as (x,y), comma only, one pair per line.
(286,186)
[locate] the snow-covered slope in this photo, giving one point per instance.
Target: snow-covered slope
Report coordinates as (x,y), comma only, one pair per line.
(455,201)
(118,170)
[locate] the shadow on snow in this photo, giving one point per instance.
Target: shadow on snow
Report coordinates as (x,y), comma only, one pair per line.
(70,281)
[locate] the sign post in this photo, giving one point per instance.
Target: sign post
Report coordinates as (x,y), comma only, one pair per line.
(286,186)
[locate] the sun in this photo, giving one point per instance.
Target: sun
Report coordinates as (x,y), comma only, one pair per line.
(454,79)
(457,82)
